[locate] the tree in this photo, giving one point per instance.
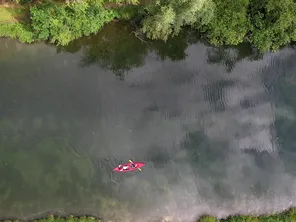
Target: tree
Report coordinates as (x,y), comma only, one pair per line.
(230,23)
(166,19)
(63,23)
(274,23)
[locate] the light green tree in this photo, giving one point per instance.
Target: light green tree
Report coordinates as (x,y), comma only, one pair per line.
(167,18)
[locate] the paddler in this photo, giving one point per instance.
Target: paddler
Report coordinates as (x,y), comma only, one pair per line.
(121,168)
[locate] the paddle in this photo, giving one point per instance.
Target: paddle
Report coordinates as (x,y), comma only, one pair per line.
(138,167)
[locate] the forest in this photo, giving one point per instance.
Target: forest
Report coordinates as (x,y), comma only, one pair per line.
(266,24)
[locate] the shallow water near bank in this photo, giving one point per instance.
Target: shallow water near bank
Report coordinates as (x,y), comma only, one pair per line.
(215,127)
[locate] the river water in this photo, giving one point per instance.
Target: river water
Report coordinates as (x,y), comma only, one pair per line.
(214,126)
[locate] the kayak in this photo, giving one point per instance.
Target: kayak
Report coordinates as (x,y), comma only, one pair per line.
(127,167)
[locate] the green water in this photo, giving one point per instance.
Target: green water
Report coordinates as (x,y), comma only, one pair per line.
(215,127)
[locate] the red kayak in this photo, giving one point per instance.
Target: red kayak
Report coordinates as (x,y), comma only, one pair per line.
(127,167)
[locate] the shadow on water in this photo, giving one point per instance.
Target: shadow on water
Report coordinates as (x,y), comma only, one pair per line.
(229,56)
(116,48)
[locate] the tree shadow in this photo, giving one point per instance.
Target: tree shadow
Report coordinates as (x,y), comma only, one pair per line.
(229,56)
(174,49)
(118,49)
(114,48)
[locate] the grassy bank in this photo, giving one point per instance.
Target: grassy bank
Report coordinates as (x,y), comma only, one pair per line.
(286,216)
(58,22)
(53,218)
(14,22)
(266,24)
(53,22)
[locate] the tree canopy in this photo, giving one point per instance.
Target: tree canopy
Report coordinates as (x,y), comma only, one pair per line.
(267,24)
(167,19)
(273,23)
(64,23)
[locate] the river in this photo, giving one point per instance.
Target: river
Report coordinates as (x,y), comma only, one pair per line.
(215,127)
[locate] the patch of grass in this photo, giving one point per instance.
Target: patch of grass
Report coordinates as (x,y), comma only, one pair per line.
(71,218)
(17,30)
(286,216)
(68,219)
(13,23)
(11,14)
(58,22)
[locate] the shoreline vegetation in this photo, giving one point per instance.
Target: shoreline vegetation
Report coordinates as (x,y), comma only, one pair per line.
(267,24)
(288,215)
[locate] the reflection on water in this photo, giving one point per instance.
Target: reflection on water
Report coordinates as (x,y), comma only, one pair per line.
(215,127)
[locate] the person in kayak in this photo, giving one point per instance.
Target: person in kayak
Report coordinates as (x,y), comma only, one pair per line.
(133,165)
(121,168)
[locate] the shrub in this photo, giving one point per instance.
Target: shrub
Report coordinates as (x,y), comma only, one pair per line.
(61,24)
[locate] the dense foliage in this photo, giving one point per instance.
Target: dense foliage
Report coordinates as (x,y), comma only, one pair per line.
(167,19)
(19,31)
(230,23)
(273,23)
(62,23)
(267,24)
(123,1)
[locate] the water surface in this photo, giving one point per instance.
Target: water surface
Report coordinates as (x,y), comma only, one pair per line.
(216,128)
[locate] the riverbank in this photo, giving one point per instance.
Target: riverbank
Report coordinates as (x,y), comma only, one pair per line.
(55,22)
(268,25)
(288,215)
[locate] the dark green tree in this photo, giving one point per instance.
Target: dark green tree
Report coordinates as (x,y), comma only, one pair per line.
(230,23)
(274,23)
(61,24)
